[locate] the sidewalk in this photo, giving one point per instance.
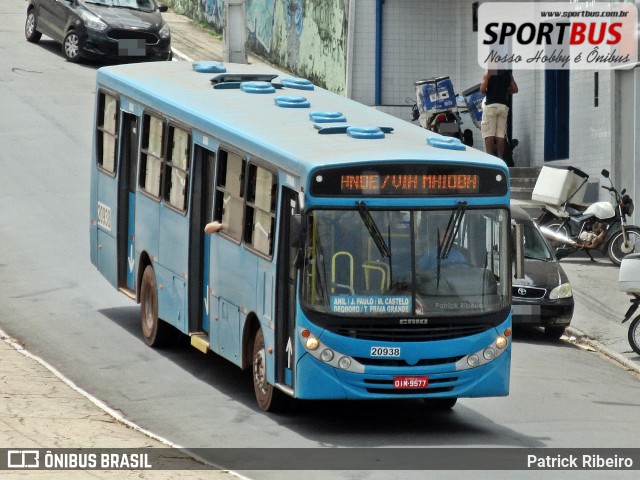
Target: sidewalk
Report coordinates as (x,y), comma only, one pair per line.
(191,42)
(40,409)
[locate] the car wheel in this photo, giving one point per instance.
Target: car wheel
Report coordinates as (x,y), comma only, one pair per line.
(553,333)
(71,46)
(30,27)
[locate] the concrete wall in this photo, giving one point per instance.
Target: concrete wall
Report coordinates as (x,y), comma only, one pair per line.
(306,37)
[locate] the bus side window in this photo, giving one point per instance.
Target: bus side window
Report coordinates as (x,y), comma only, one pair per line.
(151,155)
(177,169)
(107,124)
(230,193)
(260,211)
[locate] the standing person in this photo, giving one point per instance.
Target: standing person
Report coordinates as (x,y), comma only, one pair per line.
(497,85)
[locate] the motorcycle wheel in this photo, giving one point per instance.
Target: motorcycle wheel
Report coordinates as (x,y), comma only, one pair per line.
(634,335)
(559,228)
(616,248)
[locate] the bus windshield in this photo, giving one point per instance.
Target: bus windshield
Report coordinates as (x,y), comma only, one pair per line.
(436,263)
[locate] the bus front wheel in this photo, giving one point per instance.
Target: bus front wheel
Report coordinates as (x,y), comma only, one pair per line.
(440,403)
(156,333)
(269,398)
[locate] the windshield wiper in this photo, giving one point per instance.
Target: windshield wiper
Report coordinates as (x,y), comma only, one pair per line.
(445,245)
(373,229)
(455,220)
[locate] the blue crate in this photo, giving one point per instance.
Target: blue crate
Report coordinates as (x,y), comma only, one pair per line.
(435,95)
(473,99)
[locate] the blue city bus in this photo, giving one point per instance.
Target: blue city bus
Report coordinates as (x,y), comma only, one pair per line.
(332,250)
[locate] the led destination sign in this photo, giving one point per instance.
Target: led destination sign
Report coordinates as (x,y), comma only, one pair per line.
(409,180)
(408,184)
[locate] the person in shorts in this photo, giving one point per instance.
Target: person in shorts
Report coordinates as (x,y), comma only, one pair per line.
(497,85)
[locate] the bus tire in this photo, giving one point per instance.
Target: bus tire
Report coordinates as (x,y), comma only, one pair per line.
(440,403)
(156,333)
(269,398)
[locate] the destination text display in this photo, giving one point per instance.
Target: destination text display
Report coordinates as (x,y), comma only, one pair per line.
(408,180)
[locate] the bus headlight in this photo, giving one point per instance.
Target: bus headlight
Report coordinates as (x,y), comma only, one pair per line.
(312,343)
(344,363)
(326,355)
(489,353)
(561,291)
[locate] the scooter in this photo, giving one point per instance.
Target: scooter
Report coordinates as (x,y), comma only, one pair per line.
(568,227)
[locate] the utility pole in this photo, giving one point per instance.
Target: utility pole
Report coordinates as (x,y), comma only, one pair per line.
(235,32)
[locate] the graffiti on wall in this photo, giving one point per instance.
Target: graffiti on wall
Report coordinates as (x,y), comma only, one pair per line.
(305,37)
(309,38)
(260,14)
(213,10)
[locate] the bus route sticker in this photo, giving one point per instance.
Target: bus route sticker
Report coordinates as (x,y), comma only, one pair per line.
(385,304)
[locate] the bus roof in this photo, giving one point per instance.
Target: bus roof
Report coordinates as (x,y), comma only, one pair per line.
(254,123)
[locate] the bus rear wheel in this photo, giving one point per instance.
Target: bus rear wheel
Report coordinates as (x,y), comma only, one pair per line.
(269,398)
(156,333)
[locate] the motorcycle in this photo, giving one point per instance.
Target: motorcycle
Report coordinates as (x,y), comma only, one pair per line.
(628,282)
(634,327)
(569,228)
(436,107)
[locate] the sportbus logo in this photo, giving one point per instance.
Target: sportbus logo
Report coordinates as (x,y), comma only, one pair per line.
(555,35)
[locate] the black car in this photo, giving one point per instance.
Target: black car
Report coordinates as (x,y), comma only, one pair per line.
(544,296)
(129,30)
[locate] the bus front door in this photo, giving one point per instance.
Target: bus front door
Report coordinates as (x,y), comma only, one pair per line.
(286,275)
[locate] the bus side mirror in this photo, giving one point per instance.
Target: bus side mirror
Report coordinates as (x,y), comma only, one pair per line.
(517,231)
(213,227)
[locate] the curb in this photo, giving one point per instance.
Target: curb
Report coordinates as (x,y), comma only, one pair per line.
(581,338)
(181,57)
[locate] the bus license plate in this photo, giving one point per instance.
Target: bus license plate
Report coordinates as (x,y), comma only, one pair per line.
(410,382)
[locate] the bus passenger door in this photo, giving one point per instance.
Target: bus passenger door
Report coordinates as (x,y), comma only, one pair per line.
(286,275)
(129,135)
(200,300)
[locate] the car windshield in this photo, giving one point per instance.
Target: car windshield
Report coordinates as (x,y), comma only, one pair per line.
(535,246)
(143,5)
(440,263)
